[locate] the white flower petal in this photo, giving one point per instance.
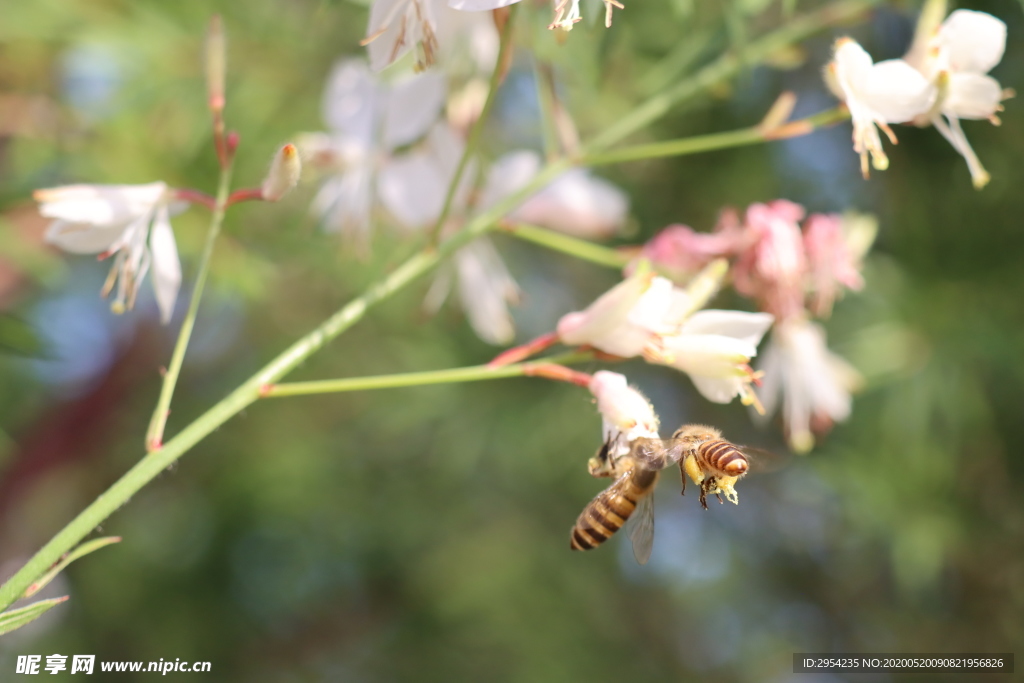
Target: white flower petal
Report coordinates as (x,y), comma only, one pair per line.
(974,41)
(718,389)
(99,204)
(479,5)
(82,238)
(412,188)
(412,106)
(897,92)
(166,266)
(508,174)
(746,327)
(972,96)
(578,204)
(485,290)
(350,100)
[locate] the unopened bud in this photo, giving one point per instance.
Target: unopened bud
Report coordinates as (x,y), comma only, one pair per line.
(283,174)
(216,61)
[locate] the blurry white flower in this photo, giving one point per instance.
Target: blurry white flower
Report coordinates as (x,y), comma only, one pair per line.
(876,95)
(398,26)
(812,383)
(129,222)
(622,320)
(715,348)
(367,121)
(625,413)
(966,47)
(413,188)
(578,204)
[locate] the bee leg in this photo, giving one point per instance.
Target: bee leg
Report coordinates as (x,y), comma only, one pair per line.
(703,498)
(719,497)
(682,475)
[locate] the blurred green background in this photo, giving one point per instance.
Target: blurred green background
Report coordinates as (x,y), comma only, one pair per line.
(422,534)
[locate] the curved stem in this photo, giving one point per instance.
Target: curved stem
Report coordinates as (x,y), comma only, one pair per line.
(155,462)
(574,246)
(715,141)
(474,373)
(478,126)
(155,432)
(727,66)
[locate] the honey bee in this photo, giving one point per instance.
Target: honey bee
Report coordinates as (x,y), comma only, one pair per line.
(631,493)
(713,463)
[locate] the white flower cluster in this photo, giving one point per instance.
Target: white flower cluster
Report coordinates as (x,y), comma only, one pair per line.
(942,79)
(389,151)
(429,27)
(647,316)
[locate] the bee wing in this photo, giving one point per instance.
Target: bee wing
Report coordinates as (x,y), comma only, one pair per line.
(657,454)
(641,532)
(762,461)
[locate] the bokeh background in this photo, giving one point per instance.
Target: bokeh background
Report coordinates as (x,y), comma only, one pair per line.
(422,534)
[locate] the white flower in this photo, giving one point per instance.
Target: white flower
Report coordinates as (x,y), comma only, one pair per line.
(414,188)
(367,121)
(567,12)
(578,204)
(623,320)
(876,95)
(715,348)
(967,46)
(812,383)
(625,413)
(129,222)
(398,26)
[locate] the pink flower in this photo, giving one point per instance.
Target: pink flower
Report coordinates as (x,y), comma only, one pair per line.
(773,270)
(833,264)
(680,250)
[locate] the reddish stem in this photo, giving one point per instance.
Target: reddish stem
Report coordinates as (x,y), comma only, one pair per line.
(248,194)
(558,373)
(530,348)
(196,197)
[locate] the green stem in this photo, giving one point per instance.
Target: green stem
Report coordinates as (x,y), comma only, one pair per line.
(727,66)
(151,465)
(544,76)
(582,249)
(478,126)
(474,373)
(715,141)
(155,433)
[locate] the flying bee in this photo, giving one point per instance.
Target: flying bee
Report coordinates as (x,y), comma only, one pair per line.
(714,464)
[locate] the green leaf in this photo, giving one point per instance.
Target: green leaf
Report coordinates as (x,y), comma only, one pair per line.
(80,551)
(16,618)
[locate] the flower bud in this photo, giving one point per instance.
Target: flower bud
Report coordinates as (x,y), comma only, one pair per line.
(283,174)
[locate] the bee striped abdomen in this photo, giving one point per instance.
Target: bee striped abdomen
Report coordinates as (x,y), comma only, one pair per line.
(608,512)
(723,456)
